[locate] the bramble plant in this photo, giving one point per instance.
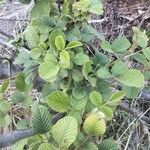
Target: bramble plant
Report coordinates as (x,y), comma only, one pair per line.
(80,81)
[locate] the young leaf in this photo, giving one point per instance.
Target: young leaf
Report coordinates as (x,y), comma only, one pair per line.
(36,53)
(41,120)
(58,101)
(73,44)
(60,42)
(48,70)
(65,131)
(120,45)
(132,78)
(80,59)
(64,59)
(94,126)
(96,98)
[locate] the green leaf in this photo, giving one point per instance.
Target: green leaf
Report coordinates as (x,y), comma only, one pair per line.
(131,92)
(96,7)
(140,37)
(94,126)
(53,35)
(108,144)
(105,45)
(20,82)
(116,98)
(58,101)
(119,68)
(77,75)
(96,98)
(50,58)
(41,9)
(64,59)
(48,71)
(18,97)
(32,37)
(4,86)
(77,116)
(132,78)
(46,146)
(19,145)
(73,44)
(41,120)
(36,53)
(104,73)
(107,111)
(80,59)
(79,92)
(82,5)
(65,131)
(86,69)
(146,52)
(89,146)
(60,42)
(120,45)
(78,104)
(5,121)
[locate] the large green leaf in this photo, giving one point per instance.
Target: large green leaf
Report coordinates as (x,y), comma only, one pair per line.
(41,120)
(96,98)
(94,126)
(58,101)
(64,59)
(132,78)
(65,131)
(48,70)
(120,45)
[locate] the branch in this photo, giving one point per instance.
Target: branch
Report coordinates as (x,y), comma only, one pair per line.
(133,112)
(11,138)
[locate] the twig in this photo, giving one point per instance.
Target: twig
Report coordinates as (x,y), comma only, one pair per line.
(11,138)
